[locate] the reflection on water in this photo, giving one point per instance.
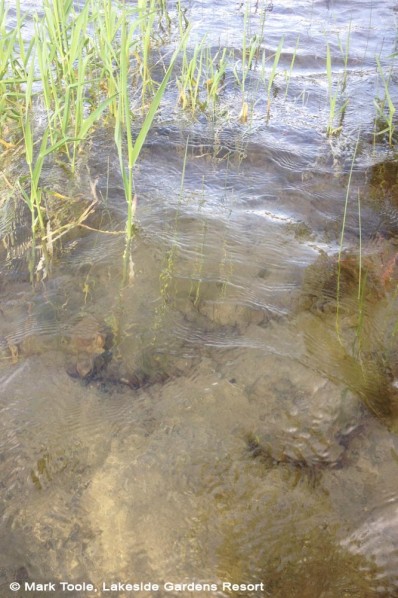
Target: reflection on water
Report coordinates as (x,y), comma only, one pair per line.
(204,423)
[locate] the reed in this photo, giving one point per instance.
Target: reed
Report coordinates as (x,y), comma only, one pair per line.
(71,62)
(147,12)
(201,78)
(337,89)
(70,54)
(190,81)
(385,108)
(128,153)
(165,21)
(33,200)
(167,272)
(333,94)
(345,52)
(65,59)
(290,71)
(250,50)
(216,70)
(106,42)
(12,69)
(183,22)
(341,246)
(33,193)
(272,76)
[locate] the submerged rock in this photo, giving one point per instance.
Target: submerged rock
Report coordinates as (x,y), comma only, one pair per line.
(304,419)
(227,313)
(366,542)
(89,344)
(334,283)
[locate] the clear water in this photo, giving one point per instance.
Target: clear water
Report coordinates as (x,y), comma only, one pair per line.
(228,440)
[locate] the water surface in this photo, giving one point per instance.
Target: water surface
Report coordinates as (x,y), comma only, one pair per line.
(230,437)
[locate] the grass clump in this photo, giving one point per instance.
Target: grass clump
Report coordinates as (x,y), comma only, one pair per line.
(77,68)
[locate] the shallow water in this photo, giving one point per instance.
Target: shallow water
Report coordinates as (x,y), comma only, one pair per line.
(230,438)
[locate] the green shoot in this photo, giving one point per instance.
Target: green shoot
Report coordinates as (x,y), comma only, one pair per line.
(272,75)
(386,116)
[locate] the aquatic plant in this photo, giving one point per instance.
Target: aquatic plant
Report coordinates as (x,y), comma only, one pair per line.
(78,64)
(345,52)
(272,75)
(164,16)
(341,247)
(82,66)
(191,77)
(123,128)
(216,69)
(250,49)
(332,92)
(336,89)
(183,22)
(169,262)
(147,14)
(201,78)
(7,43)
(293,60)
(385,107)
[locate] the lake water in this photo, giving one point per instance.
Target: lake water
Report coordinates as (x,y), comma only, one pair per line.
(229,437)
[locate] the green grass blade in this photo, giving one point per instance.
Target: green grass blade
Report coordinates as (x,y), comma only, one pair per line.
(139,142)
(90,120)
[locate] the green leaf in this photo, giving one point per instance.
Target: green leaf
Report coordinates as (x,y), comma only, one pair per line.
(90,120)
(139,142)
